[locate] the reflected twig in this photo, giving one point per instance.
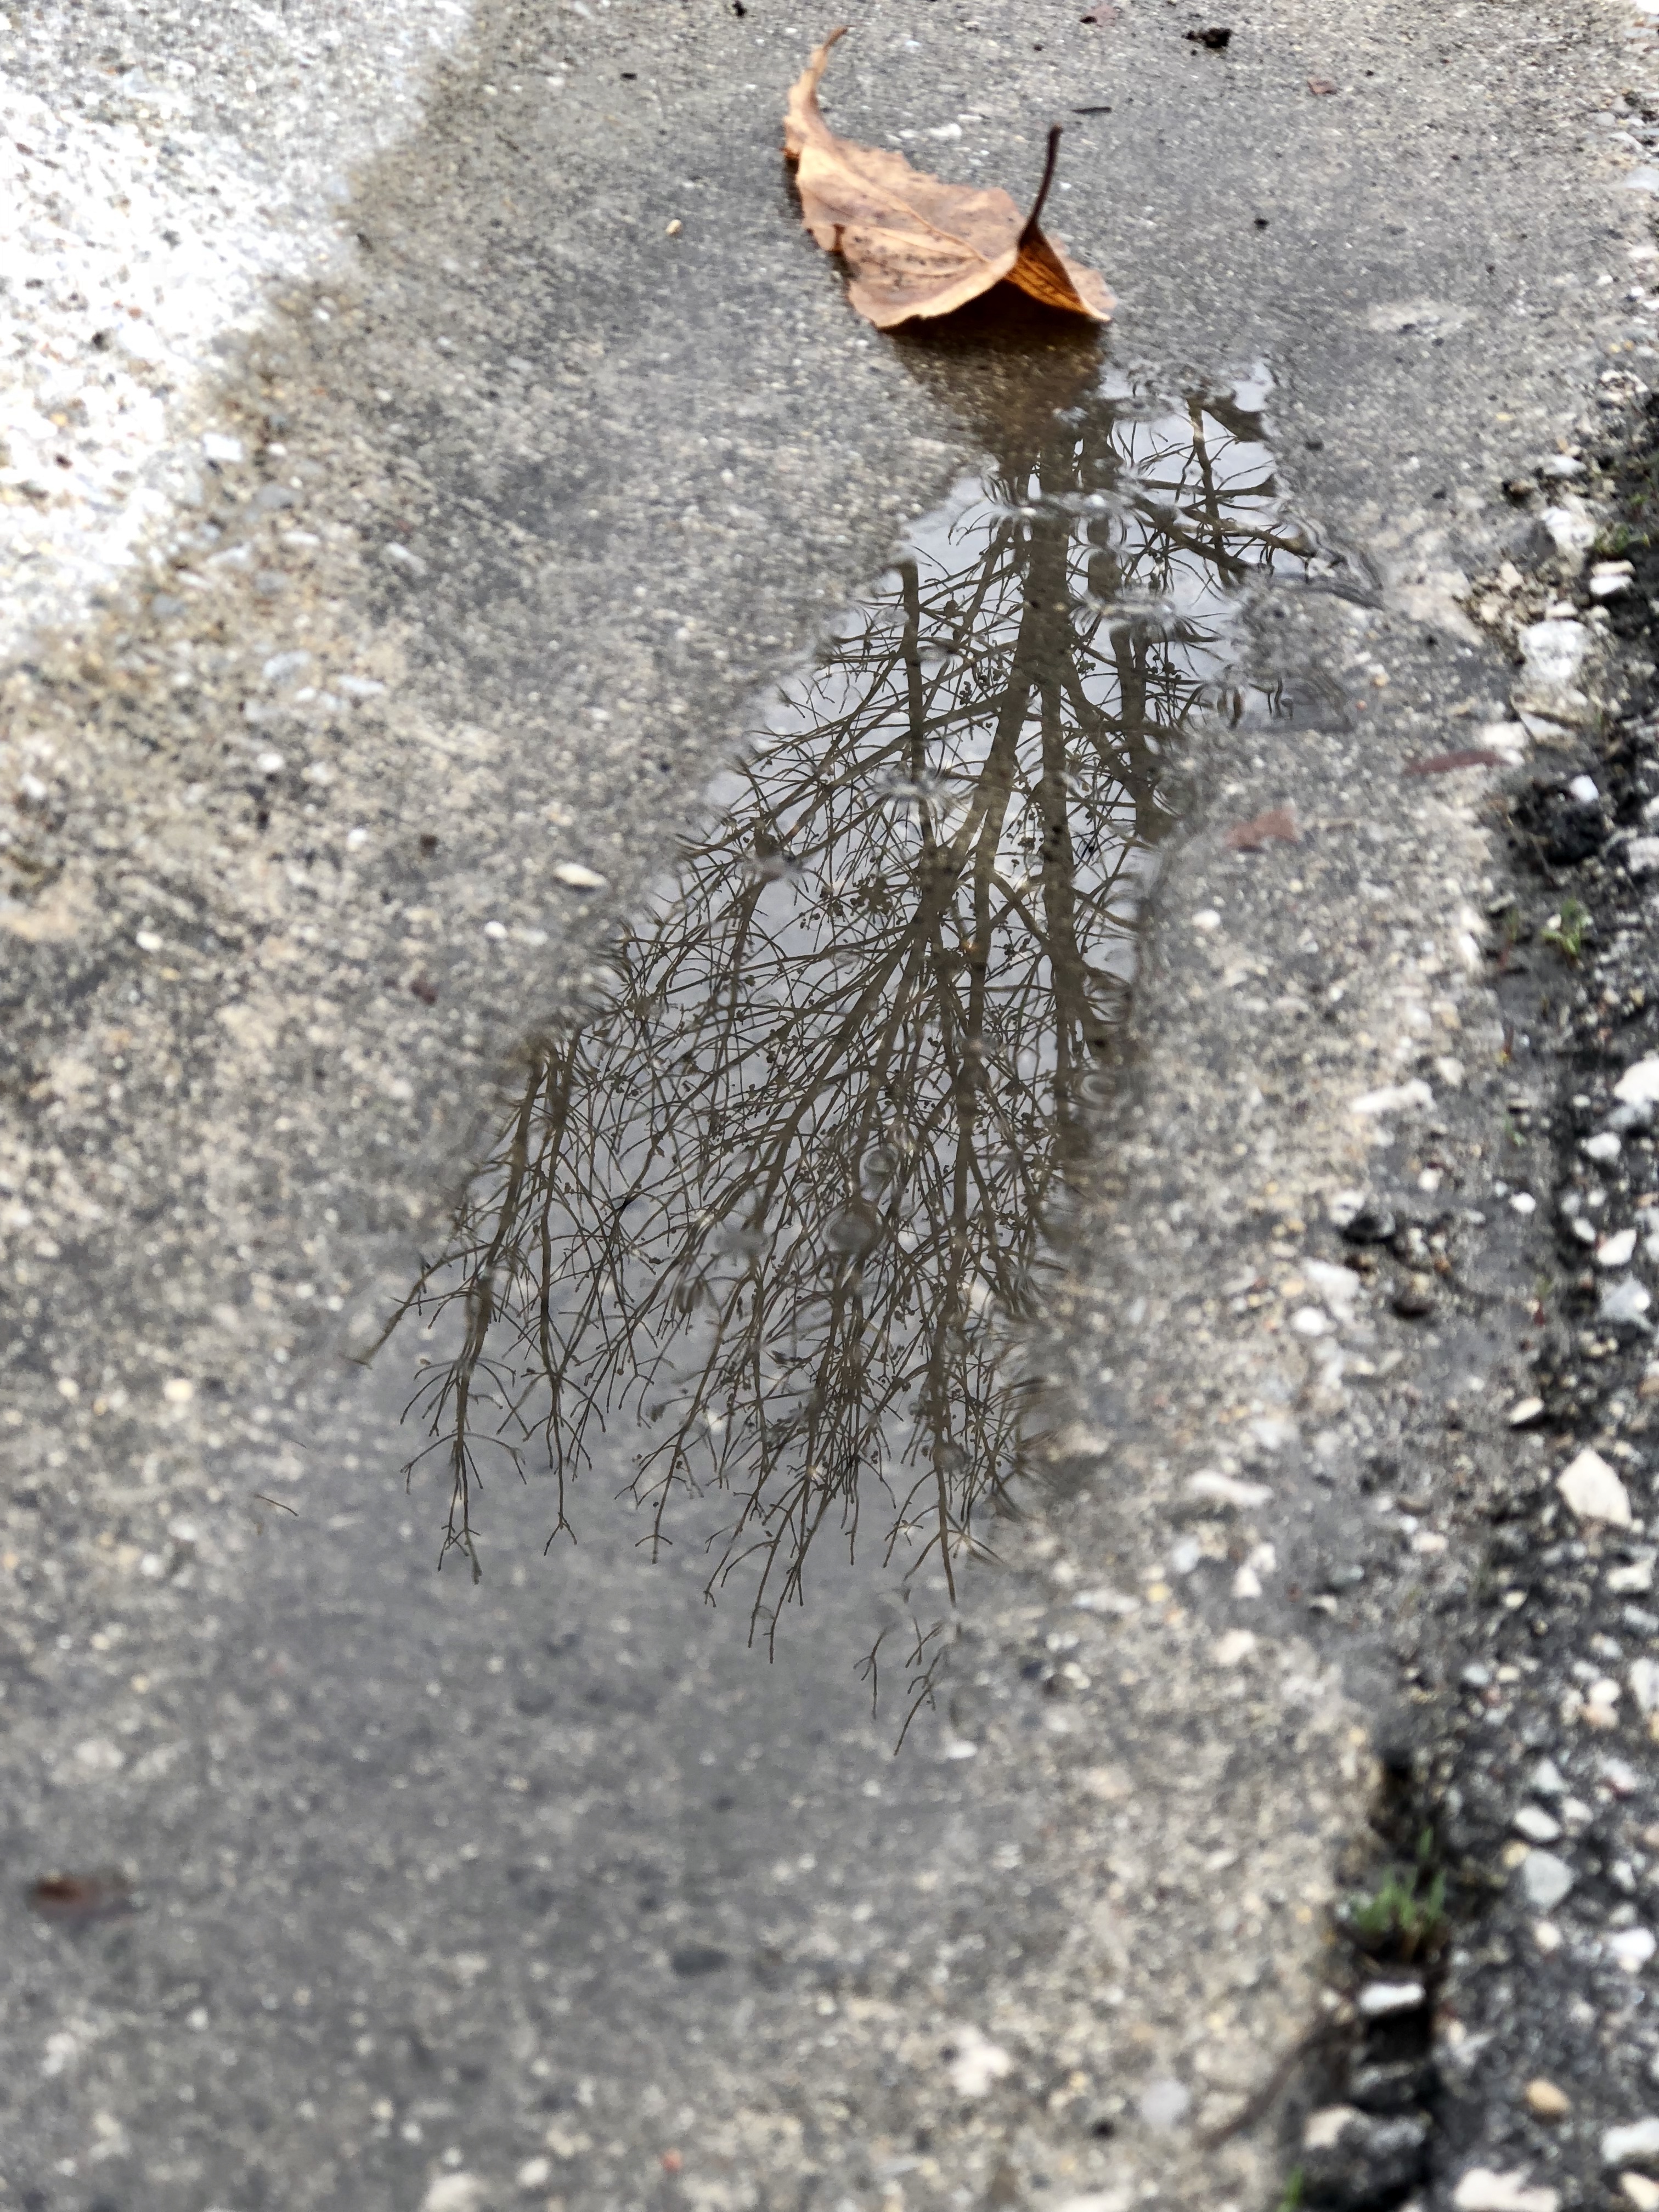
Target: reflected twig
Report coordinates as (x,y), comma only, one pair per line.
(780,1202)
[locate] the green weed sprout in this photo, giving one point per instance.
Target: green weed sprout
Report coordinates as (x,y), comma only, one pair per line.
(1566,930)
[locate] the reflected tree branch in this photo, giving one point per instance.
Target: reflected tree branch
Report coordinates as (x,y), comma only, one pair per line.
(781,1201)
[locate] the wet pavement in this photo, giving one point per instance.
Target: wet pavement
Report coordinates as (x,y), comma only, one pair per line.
(751,1275)
(660,1876)
(323,847)
(781,1203)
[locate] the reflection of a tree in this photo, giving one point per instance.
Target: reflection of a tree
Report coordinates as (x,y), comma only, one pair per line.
(779,1200)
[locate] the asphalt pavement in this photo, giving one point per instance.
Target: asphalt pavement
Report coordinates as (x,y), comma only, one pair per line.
(548,1888)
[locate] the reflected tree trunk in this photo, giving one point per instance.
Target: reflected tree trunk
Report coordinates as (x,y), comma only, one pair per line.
(778,1206)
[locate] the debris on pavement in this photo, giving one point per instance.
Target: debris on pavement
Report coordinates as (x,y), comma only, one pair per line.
(1278,825)
(74,1900)
(919,247)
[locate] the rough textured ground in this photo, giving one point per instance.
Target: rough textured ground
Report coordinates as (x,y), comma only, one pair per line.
(517,514)
(159,177)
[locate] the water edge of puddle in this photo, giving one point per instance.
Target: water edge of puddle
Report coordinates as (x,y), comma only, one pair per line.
(786,1197)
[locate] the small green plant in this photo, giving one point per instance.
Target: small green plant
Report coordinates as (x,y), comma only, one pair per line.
(1617,539)
(1295,2182)
(1405,1916)
(1566,930)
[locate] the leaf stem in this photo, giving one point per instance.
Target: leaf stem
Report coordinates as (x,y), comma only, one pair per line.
(1029,231)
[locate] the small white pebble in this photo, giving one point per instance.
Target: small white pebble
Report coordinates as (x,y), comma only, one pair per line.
(1103,1600)
(1377,2000)
(454,2192)
(1394,1098)
(1324,2129)
(1634,2144)
(1483,2189)
(1631,1948)
(1546,1879)
(1594,1491)
(976,2063)
(1639,1084)
(1227,1490)
(1164,2104)
(1624,1299)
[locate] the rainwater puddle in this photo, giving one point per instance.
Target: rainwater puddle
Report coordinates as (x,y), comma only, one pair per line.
(765,1229)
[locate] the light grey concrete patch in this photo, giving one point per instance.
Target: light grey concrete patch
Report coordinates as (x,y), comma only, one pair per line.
(568,484)
(155,181)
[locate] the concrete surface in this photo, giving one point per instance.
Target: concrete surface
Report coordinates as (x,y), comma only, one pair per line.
(568,486)
(159,178)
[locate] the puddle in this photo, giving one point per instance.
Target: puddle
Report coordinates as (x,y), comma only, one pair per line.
(777,1210)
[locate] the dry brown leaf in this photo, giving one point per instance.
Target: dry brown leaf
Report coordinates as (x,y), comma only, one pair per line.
(916,245)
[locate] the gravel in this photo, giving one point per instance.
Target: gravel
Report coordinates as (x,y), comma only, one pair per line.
(1353,2160)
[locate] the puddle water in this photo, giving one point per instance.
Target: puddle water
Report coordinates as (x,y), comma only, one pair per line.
(777,1208)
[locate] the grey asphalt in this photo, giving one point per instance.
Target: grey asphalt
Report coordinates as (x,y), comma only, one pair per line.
(632,471)
(428,1869)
